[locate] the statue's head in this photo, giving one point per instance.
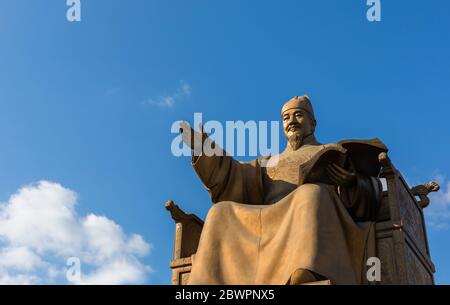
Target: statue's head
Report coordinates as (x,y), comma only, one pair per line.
(298,119)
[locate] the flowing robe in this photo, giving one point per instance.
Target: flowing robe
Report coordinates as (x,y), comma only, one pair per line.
(263,226)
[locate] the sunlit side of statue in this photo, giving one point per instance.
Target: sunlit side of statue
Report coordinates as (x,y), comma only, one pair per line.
(308,217)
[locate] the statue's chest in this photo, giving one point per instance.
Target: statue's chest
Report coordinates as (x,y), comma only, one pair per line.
(283,176)
(288,166)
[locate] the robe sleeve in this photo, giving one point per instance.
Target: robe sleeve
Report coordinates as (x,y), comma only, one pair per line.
(363,199)
(229,180)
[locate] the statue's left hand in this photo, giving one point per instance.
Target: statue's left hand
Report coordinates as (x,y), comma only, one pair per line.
(340,176)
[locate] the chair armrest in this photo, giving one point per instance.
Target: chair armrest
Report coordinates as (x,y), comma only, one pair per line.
(188,228)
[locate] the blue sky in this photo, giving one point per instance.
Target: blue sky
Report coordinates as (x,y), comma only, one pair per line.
(79,101)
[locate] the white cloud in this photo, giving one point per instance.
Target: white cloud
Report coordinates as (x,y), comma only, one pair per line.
(19,279)
(169,100)
(438,212)
(19,258)
(39,230)
(118,271)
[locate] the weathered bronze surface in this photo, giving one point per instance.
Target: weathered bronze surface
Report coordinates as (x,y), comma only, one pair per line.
(316,215)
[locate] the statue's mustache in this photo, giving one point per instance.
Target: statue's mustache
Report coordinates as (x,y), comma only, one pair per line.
(292,126)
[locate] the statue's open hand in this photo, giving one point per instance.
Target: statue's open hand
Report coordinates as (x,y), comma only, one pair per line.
(192,138)
(340,176)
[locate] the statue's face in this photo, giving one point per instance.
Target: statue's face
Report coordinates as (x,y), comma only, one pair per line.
(295,120)
(296,125)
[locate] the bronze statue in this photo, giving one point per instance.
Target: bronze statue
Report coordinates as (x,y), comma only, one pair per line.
(308,217)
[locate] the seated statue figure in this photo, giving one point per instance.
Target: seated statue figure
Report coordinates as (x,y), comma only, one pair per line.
(302,216)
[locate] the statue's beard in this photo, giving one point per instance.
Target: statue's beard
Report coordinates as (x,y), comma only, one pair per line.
(295,140)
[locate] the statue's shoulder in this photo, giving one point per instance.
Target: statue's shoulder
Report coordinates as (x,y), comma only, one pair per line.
(265,161)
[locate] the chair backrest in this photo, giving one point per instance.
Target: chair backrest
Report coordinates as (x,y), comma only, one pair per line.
(402,243)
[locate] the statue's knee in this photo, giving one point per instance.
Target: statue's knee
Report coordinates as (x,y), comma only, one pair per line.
(307,189)
(311,193)
(218,208)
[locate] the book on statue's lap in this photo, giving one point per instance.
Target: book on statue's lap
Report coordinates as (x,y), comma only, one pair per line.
(362,153)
